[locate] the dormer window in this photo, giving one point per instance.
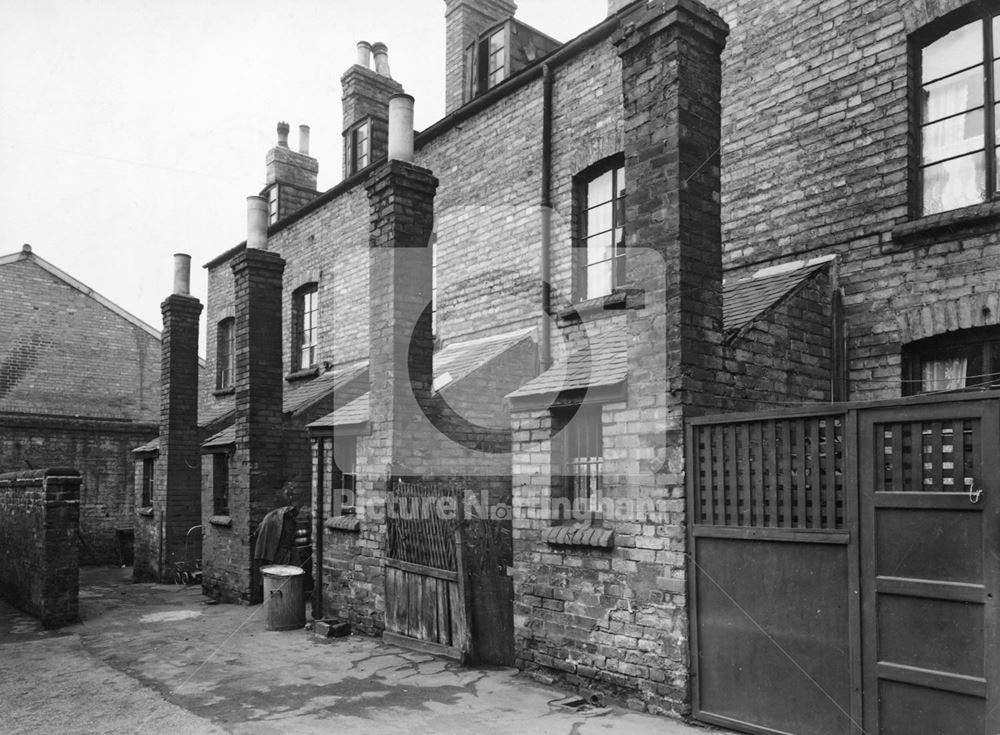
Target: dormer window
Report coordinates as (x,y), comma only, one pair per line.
(360,152)
(486,61)
(500,52)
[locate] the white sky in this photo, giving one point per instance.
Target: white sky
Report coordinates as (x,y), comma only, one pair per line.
(134,129)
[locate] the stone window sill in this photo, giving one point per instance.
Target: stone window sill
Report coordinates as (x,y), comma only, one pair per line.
(578,534)
(228,391)
(302,374)
(221,521)
(347,524)
(147,512)
(966,220)
(602,306)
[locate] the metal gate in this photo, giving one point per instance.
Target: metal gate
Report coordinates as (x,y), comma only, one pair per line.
(842,578)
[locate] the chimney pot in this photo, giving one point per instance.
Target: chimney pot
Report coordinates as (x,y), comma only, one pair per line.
(304,140)
(364,54)
(283,134)
(381,52)
(257,222)
(26,248)
(182,274)
(401,128)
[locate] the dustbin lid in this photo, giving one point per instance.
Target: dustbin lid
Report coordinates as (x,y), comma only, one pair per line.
(282,570)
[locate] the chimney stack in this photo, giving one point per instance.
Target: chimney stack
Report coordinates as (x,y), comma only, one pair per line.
(381,52)
(182,274)
(257,223)
(401,128)
(364,54)
(465,20)
(366,108)
(291,176)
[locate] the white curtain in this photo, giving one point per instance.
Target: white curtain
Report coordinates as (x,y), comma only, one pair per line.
(944,374)
(959,184)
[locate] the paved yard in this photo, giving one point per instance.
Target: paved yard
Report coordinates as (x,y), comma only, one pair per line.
(155,658)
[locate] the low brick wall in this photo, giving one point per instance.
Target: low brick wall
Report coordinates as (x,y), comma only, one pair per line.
(39,557)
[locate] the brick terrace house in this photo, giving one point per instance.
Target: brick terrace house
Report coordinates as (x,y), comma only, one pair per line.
(683,211)
(59,403)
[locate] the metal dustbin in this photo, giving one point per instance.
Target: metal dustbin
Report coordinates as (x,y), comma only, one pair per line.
(284,598)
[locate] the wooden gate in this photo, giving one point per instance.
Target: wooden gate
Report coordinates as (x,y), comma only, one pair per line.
(930,544)
(426,596)
(845,568)
(773,618)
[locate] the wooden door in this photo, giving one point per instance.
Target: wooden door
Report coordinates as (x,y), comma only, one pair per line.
(930,554)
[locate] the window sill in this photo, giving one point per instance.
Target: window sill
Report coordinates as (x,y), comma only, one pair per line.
(966,220)
(346,524)
(305,374)
(579,535)
(602,306)
(145,512)
(219,392)
(221,521)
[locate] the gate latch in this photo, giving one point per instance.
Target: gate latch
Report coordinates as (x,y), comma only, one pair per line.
(975,493)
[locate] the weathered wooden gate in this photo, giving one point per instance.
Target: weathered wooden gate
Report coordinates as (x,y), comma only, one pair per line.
(426,596)
(845,568)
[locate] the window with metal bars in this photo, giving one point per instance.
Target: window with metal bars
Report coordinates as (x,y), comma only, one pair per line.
(583,458)
(304,327)
(959,90)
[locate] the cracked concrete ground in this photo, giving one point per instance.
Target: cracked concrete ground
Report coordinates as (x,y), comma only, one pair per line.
(149,658)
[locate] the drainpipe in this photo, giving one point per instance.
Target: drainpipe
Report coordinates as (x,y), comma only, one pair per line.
(545,216)
(317,606)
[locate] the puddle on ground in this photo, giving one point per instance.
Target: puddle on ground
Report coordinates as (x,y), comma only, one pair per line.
(171,616)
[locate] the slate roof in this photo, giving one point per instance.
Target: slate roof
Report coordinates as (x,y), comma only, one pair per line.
(603,361)
(151,446)
(224,438)
(356,412)
(454,362)
(300,395)
(745,300)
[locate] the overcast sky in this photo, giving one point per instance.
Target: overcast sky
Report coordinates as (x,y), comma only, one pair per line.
(134,129)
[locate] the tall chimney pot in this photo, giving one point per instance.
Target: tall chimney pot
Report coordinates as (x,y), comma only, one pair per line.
(283,134)
(257,222)
(182,274)
(364,54)
(304,140)
(401,128)
(381,52)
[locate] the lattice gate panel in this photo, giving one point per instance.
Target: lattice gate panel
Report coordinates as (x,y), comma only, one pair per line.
(927,456)
(775,473)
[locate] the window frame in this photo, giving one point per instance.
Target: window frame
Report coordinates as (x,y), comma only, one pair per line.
(953,344)
(579,424)
(305,337)
(359,161)
(581,236)
(478,60)
(148,482)
(225,354)
(273,204)
(923,39)
(345,478)
(220,483)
